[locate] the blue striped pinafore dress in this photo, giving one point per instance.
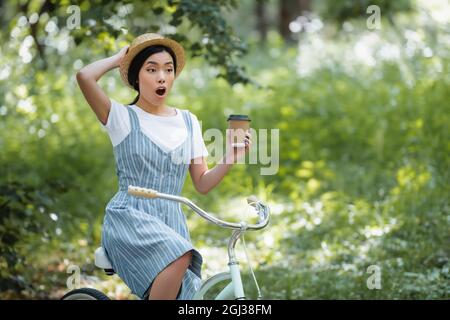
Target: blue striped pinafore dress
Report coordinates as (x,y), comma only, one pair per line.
(143,236)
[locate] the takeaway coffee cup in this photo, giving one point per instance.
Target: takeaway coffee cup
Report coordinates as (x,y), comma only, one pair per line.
(238,124)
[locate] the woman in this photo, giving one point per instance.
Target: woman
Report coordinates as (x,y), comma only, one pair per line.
(147,241)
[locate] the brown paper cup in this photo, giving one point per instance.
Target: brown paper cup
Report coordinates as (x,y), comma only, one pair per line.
(238,124)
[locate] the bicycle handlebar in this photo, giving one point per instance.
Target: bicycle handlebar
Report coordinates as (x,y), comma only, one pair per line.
(262,209)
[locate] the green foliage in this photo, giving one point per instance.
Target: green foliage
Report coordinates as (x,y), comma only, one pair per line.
(23,214)
(363,176)
(219,46)
(200,26)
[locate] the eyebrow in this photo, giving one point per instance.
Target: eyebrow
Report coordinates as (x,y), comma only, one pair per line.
(153,62)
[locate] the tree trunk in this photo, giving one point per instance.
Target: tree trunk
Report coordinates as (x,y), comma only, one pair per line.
(261,20)
(289,10)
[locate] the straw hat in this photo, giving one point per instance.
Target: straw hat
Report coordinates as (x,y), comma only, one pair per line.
(145,40)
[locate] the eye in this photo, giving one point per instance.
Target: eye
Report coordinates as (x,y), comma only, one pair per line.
(151,69)
(169,70)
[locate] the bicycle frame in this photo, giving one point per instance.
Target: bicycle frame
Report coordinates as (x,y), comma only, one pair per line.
(235,288)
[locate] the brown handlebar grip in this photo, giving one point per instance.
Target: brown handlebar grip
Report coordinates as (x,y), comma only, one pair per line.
(142,192)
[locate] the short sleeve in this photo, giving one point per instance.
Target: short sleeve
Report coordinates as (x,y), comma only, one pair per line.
(118,122)
(199,148)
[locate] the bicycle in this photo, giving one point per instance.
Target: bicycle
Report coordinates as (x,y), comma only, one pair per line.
(233,290)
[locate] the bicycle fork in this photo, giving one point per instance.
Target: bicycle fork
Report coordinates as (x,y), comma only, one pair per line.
(235,288)
(235,272)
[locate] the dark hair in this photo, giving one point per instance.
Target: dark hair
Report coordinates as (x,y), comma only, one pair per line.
(138,61)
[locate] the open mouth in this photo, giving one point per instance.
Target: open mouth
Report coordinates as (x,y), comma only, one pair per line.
(160,91)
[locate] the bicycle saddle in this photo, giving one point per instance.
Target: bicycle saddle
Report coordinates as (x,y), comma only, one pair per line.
(102,261)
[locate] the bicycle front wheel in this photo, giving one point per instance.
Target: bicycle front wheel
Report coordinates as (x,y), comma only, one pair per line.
(85,294)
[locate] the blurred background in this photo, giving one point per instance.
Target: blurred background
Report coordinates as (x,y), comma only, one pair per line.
(358,89)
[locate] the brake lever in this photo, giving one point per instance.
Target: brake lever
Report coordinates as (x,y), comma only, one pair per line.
(258,205)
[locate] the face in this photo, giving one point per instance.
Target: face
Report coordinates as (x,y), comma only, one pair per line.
(156,77)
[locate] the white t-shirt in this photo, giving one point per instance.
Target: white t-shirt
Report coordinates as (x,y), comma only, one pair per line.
(167,132)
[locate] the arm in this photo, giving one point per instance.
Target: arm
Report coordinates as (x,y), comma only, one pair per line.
(205,179)
(87,78)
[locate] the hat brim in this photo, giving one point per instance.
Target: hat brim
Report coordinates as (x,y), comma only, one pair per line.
(134,50)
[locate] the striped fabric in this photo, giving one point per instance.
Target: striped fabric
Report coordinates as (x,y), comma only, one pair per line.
(143,236)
